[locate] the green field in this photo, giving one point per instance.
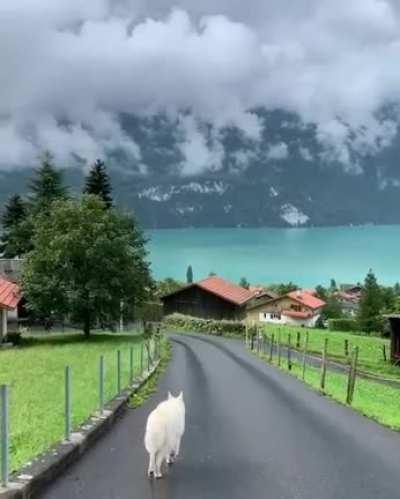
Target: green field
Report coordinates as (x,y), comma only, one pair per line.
(377,401)
(35,373)
(370,347)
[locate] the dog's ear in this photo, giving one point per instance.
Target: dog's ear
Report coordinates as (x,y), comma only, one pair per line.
(180,396)
(169,396)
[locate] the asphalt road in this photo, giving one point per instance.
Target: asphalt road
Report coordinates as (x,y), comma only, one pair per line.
(252,433)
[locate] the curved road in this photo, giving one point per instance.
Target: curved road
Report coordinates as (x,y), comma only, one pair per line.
(252,432)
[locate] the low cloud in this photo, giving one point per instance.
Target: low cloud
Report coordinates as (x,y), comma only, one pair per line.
(70,68)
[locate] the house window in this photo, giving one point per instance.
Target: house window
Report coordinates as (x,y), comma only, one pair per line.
(297,308)
(276,315)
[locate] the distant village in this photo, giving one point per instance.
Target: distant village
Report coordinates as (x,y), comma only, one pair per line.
(217,298)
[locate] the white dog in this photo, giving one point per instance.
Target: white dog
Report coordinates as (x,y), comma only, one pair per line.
(164,430)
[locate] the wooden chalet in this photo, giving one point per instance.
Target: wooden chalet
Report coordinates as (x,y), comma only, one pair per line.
(211,298)
(10,297)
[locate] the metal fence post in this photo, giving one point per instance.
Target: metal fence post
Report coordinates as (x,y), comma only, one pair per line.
(67,403)
(4,435)
(131,366)
(119,372)
(101,384)
(279,348)
(354,374)
(305,355)
(289,352)
(323,365)
(271,347)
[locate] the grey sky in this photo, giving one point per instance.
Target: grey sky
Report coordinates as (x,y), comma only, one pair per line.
(85,62)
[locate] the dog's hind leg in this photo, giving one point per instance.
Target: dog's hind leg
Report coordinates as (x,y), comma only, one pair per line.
(152,465)
(159,461)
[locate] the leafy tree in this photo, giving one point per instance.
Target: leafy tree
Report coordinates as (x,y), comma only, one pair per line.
(396,289)
(189,275)
(98,183)
(244,283)
(333,286)
(371,305)
(86,261)
(167,286)
(283,289)
(322,292)
(12,241)
(212,274)
(332,309)
(47,186)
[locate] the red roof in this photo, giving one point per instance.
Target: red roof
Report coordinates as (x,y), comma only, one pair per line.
(226,290)
(305,298)
(10,294)
(296,314)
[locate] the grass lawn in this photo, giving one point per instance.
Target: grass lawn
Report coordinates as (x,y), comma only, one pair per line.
(35,373)
(374,400)
(370,347)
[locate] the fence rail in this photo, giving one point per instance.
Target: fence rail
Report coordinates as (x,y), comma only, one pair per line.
(149,355)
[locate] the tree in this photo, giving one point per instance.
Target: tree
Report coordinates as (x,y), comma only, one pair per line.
(47,186)
(283,288)
(189,275)
(322,292)
(333,286)
(12,240)
(98,183)
(168,285)
(244,283)
(212,274)
(86,261)
(371,304)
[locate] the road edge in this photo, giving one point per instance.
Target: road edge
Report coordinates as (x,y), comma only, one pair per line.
(31,479)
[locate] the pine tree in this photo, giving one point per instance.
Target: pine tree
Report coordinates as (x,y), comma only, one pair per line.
(244,283)
(12,240)
(371,305)
(333,285)
(47,186)
(189,275)
(98,183)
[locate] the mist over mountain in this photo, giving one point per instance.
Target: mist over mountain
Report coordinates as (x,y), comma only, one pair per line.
(209,113)
(283,178)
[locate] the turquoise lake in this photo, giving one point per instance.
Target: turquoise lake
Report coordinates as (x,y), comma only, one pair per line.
(307,257)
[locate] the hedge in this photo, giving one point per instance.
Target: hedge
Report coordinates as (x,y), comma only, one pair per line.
(343,325)
(208,326)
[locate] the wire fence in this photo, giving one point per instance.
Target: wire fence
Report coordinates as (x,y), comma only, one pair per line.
(293,355)
(140,362)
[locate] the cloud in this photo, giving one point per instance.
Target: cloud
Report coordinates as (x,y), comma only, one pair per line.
(278,151)
(69,68)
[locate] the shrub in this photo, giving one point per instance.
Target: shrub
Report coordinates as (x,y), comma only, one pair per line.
(208,326)
(344,325)
(14,338)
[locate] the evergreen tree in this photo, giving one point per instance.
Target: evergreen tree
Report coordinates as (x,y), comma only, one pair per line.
(189,275)
(333,285)
(244,283)
(371,304)
(12,239)
(47,185)
(212,274)
(98,183)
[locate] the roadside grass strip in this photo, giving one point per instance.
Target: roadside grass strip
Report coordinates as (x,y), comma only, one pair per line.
(374,400)
(35,375)
(370,347)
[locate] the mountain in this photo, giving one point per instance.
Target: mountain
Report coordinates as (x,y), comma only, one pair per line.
(286,177)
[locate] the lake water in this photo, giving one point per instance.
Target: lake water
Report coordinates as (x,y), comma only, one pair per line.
(263,255)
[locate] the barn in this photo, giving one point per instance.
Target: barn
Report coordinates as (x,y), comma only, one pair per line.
(10,297)
(394,320)
(211,298)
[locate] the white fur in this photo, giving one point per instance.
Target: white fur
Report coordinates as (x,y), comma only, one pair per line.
(164,430)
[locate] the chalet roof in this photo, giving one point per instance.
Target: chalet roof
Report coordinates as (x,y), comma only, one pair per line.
(307,299)
(301,296)
(223,289)
(10,294)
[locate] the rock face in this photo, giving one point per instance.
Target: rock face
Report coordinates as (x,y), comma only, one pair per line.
(286,177)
